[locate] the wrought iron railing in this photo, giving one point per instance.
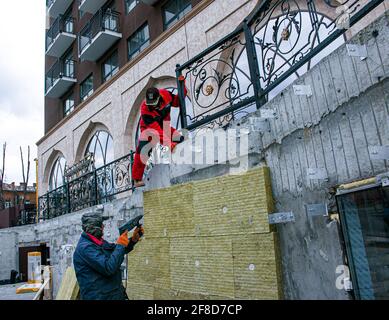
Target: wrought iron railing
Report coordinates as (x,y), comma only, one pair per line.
(87,164)
(27,217)
(62,68)
(93,188)
(103,20)
(275,45)
(49,3)
(60,25)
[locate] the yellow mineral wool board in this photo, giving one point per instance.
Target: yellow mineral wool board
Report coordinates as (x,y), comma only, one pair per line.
(202,265)
(169,212)
(140,291)
(268,190)
(171,294)
(234,204)
(149,263)
(165,294)
(256,269)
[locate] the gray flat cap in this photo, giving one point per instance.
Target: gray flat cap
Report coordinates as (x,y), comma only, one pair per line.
(92,218)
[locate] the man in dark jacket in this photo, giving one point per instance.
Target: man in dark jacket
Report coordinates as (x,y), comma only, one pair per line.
(97,262)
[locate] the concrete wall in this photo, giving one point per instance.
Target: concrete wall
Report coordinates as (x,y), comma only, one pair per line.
(9,259)
(331,130)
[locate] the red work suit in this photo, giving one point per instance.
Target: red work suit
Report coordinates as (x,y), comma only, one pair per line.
(155,127)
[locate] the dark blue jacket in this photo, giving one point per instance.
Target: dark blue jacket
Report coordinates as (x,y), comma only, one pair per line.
(98,269)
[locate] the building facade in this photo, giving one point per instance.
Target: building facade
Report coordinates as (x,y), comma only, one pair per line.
(133,48)
(20,205)
(318,145)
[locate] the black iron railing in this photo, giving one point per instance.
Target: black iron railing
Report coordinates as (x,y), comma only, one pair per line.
(60,25)
(275,45)
(49,3)
(93,188)
(28,216)
(62,68)
(103,20)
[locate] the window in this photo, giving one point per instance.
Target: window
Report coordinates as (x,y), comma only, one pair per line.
(57,176)
(364,217)
(138,41)
(131,4)
(68,105)
(110,67)
(101,146)
(86,89)
(68,64)
(68,21)
(174,10)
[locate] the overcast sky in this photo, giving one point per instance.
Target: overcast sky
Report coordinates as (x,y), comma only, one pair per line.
(22,38)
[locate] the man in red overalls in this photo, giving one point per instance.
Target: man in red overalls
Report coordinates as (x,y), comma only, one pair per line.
(155,128)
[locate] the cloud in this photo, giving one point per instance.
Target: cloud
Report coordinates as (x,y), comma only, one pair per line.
(21,82)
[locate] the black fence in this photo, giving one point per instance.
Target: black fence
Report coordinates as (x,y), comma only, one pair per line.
(60,25)
(275,45)
(61,68)
(96,187)
(103,20)
(28,216)
(49,3)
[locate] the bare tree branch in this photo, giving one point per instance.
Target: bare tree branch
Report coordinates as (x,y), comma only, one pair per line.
(26,175)
(21,157)
(28,166)
(2,173)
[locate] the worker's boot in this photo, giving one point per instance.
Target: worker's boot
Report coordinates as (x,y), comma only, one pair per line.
(139,183)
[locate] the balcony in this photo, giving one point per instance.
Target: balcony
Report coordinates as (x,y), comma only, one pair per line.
(60,78)
(149,2)
(87,186)
(60,36)
(91,6)
(102,31)
(57,7)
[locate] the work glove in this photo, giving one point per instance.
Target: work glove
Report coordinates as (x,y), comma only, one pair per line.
(123,239)
(138,233)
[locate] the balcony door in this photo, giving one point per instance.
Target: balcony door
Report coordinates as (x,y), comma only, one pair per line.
(68,64)
(110,20)
(364,218)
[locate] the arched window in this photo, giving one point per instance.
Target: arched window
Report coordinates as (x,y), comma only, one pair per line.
(57,175)
(101,146)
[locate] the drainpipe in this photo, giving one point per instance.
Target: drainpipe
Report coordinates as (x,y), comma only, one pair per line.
(36,190)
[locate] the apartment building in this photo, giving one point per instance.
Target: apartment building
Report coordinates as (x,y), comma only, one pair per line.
(101,55)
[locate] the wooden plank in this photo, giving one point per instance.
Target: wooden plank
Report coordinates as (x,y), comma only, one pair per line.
(69,289)
(39,293)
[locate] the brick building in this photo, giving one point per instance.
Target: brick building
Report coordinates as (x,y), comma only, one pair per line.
(20,205)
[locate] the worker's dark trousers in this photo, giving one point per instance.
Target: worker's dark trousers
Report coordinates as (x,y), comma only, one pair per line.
(147,141)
